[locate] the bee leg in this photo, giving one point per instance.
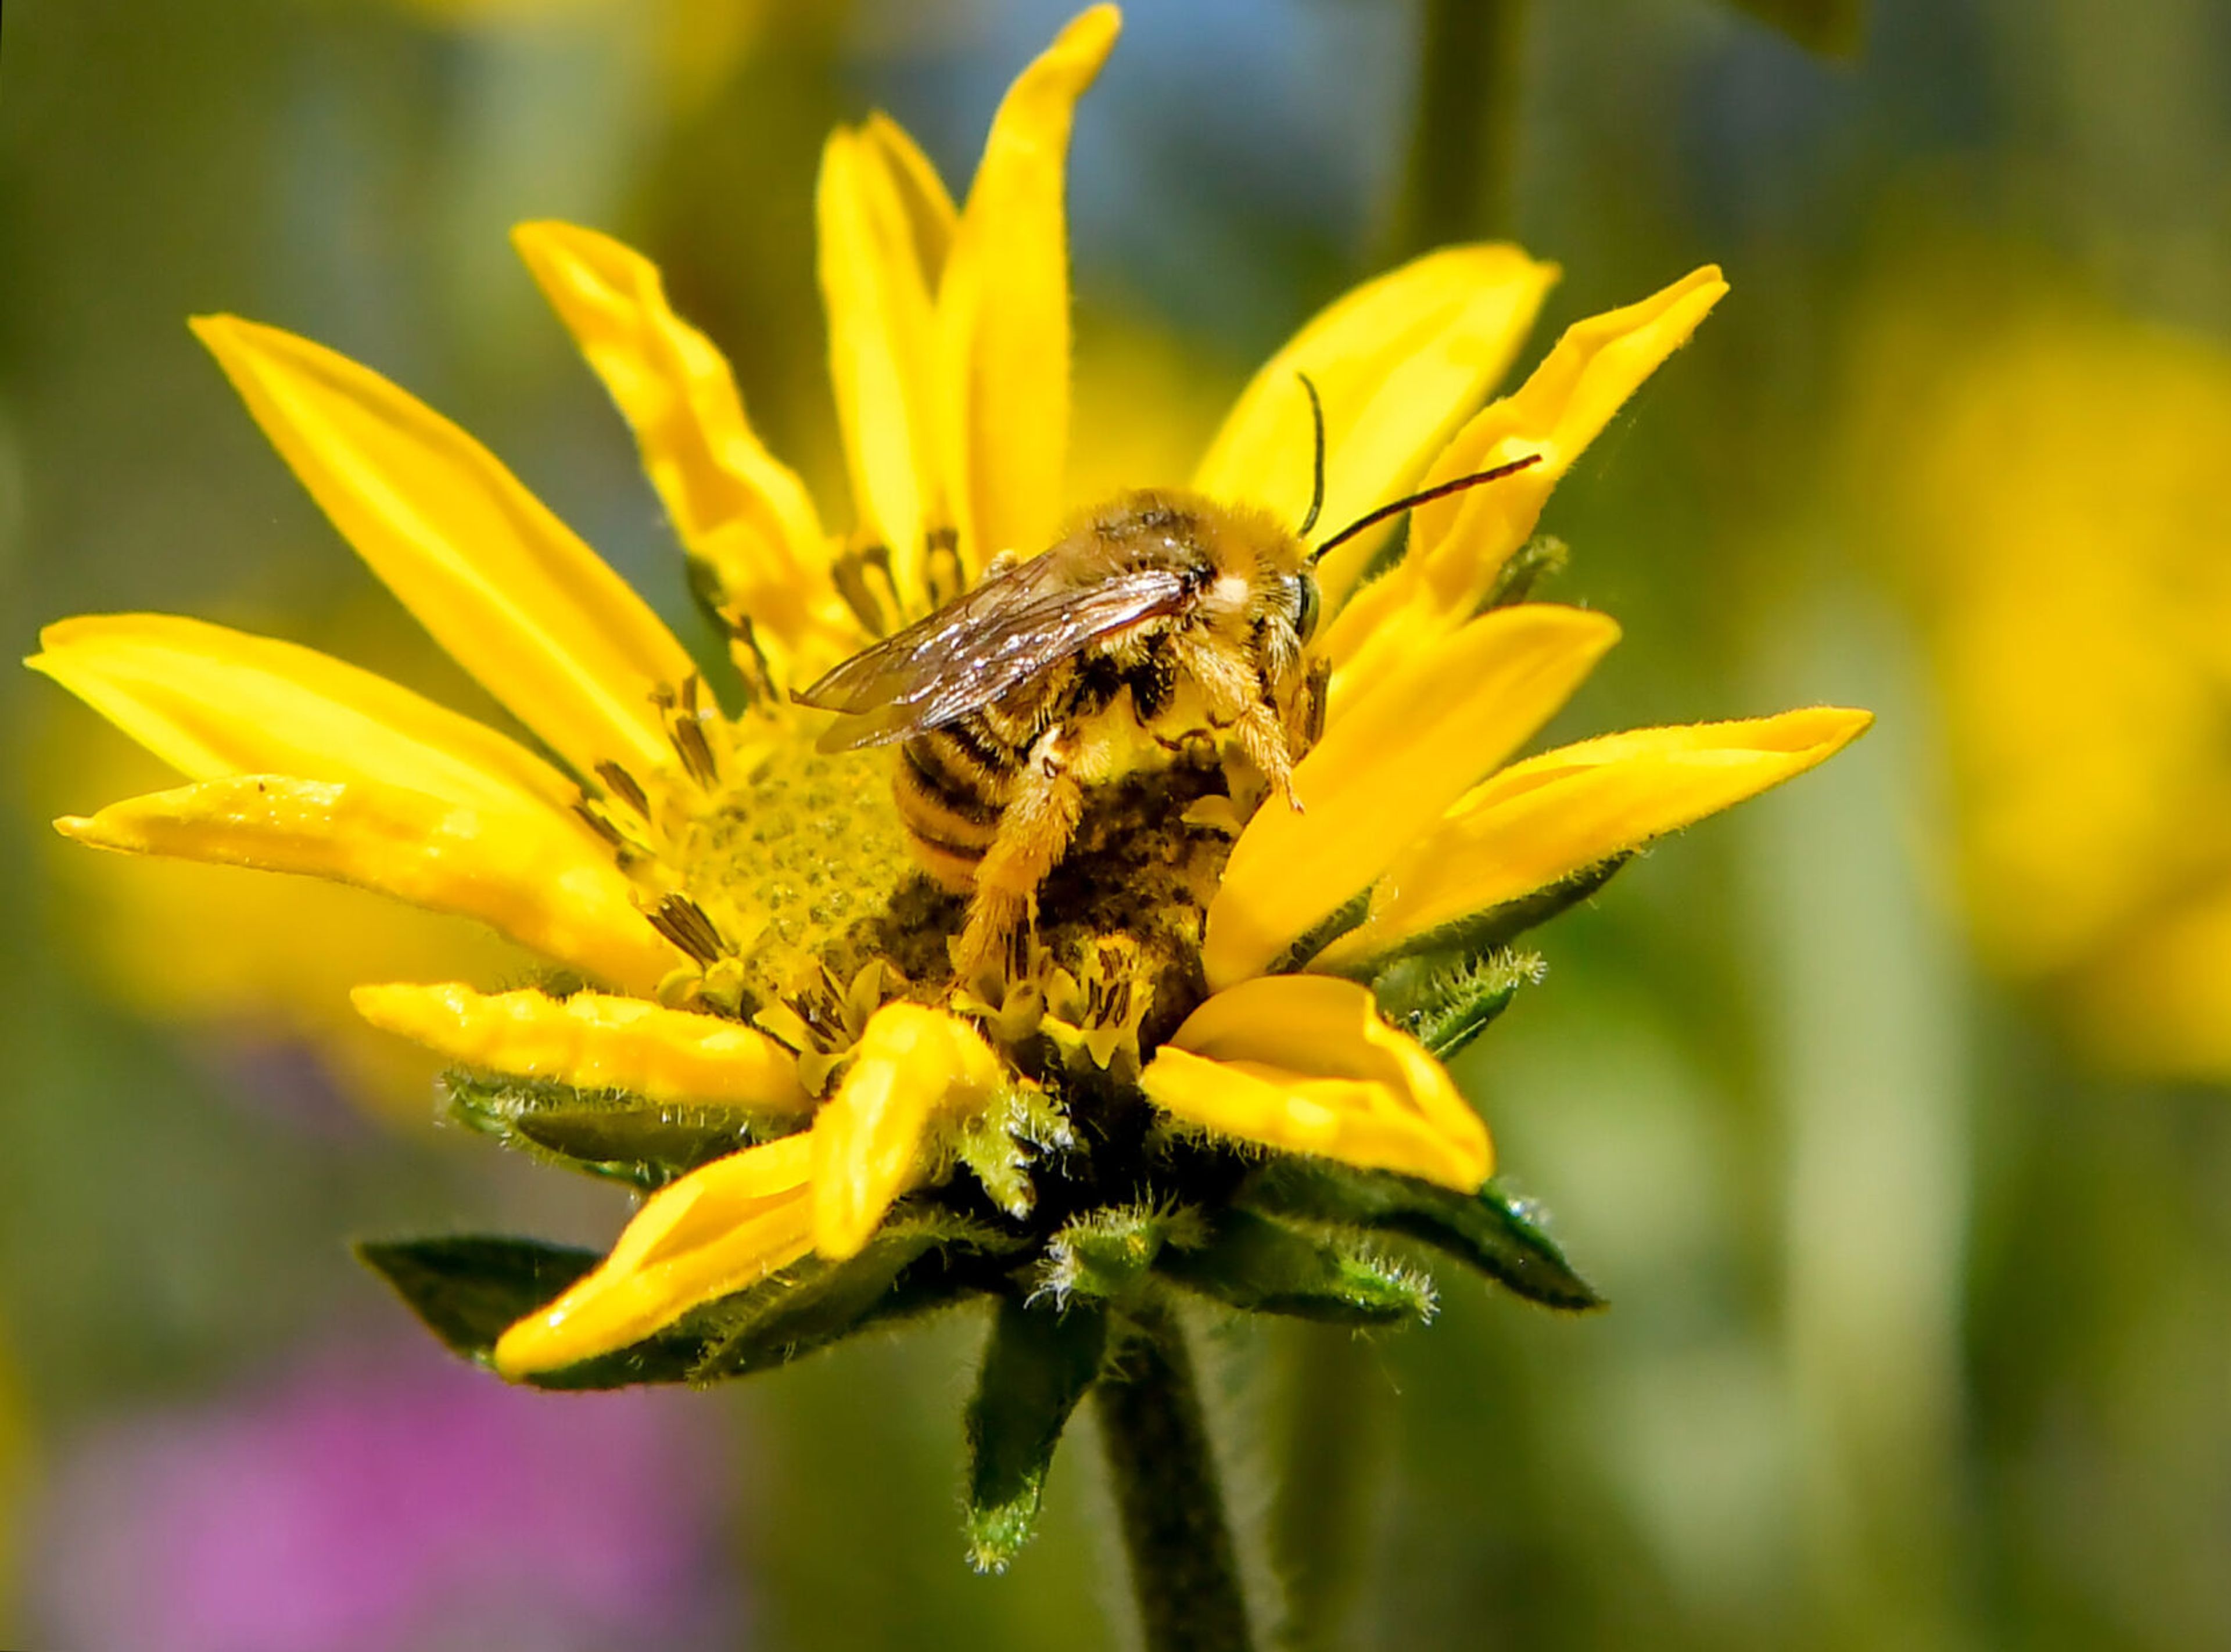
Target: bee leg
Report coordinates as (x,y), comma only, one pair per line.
(1034,830)
(1262,734)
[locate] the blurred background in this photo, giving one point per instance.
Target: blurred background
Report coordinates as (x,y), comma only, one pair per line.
(1889,1111)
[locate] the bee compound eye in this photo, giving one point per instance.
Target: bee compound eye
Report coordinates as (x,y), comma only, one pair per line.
(1306,603)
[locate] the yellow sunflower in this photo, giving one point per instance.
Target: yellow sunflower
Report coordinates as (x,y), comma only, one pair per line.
(1222,1058)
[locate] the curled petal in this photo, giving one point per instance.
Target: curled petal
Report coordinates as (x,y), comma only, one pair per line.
(505,586)
(1553,814)
(1003,309)
(715,1231)
(1457,544)
(1398,362)
(1369,1123)
(1322,1028)
(911,1065)
(1387,769)
(871,209)
(523,875)
(742,515)
(594,1041)
(211,702)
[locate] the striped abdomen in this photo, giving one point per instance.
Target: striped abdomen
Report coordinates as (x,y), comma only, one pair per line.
(954,784)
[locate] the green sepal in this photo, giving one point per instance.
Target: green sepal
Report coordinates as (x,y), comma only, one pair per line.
(1542,557)
(1041,1360)
(1322,933)
(915,1264)
(1000,1146)
(1265,1267)
(611,1133)
(471,1288)
(1831,28)
(1481,935)
(1492,1231)
(1445,1008)
(1105,1253)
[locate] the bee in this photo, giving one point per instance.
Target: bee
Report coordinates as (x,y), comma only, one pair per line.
(1161,613)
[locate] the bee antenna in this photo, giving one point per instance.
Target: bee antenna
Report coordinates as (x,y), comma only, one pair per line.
(1316,483)
(1412,501)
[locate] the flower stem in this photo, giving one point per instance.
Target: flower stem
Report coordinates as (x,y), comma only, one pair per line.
(1183,1566)
(1457,183)
(1333,1443)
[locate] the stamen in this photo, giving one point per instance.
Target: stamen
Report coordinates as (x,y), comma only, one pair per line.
(624,787)
(596,824)
(866,598)
(687,733)
(682,921)
(941,565)
(759,675)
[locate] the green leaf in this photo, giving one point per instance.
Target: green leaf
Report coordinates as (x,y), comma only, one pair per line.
(1493,1232)
(612,1134)
(471,1287)
(1264,1267)
(1104,1253)
(1831,28)
(1040,1364)
(915,1264)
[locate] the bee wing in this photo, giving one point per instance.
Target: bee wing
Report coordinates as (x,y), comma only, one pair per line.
(986,644)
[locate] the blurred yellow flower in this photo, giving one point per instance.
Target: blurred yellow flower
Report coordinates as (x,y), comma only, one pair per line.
(747,907)
(2049,477)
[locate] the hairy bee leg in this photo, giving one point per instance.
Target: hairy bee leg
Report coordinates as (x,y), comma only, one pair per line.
(1262,734)
(1034,832)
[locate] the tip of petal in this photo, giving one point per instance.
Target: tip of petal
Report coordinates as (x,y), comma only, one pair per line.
(78,829)
(1092,32)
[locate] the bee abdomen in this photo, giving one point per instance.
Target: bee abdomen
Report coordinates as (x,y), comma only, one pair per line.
(952,785)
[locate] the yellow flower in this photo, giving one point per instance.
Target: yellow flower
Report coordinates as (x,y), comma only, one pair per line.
(758,938)
(2049,474)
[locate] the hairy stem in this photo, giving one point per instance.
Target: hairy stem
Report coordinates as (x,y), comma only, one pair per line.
(1183,1568)
(1333,1440)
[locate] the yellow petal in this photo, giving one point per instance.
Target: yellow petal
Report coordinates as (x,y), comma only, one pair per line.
(912,1065)
(523,875)
(1359,1122)
(1003,309)
(1457,544)
(501,584)
(929,210)
(743,515)
(211,702)
(1387,770)
(1398,362)
(716,1231)
(877,289)
(1318,1027)
(1551,815)
(595,1041)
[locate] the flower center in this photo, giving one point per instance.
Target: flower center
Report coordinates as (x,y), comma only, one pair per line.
(803,869)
